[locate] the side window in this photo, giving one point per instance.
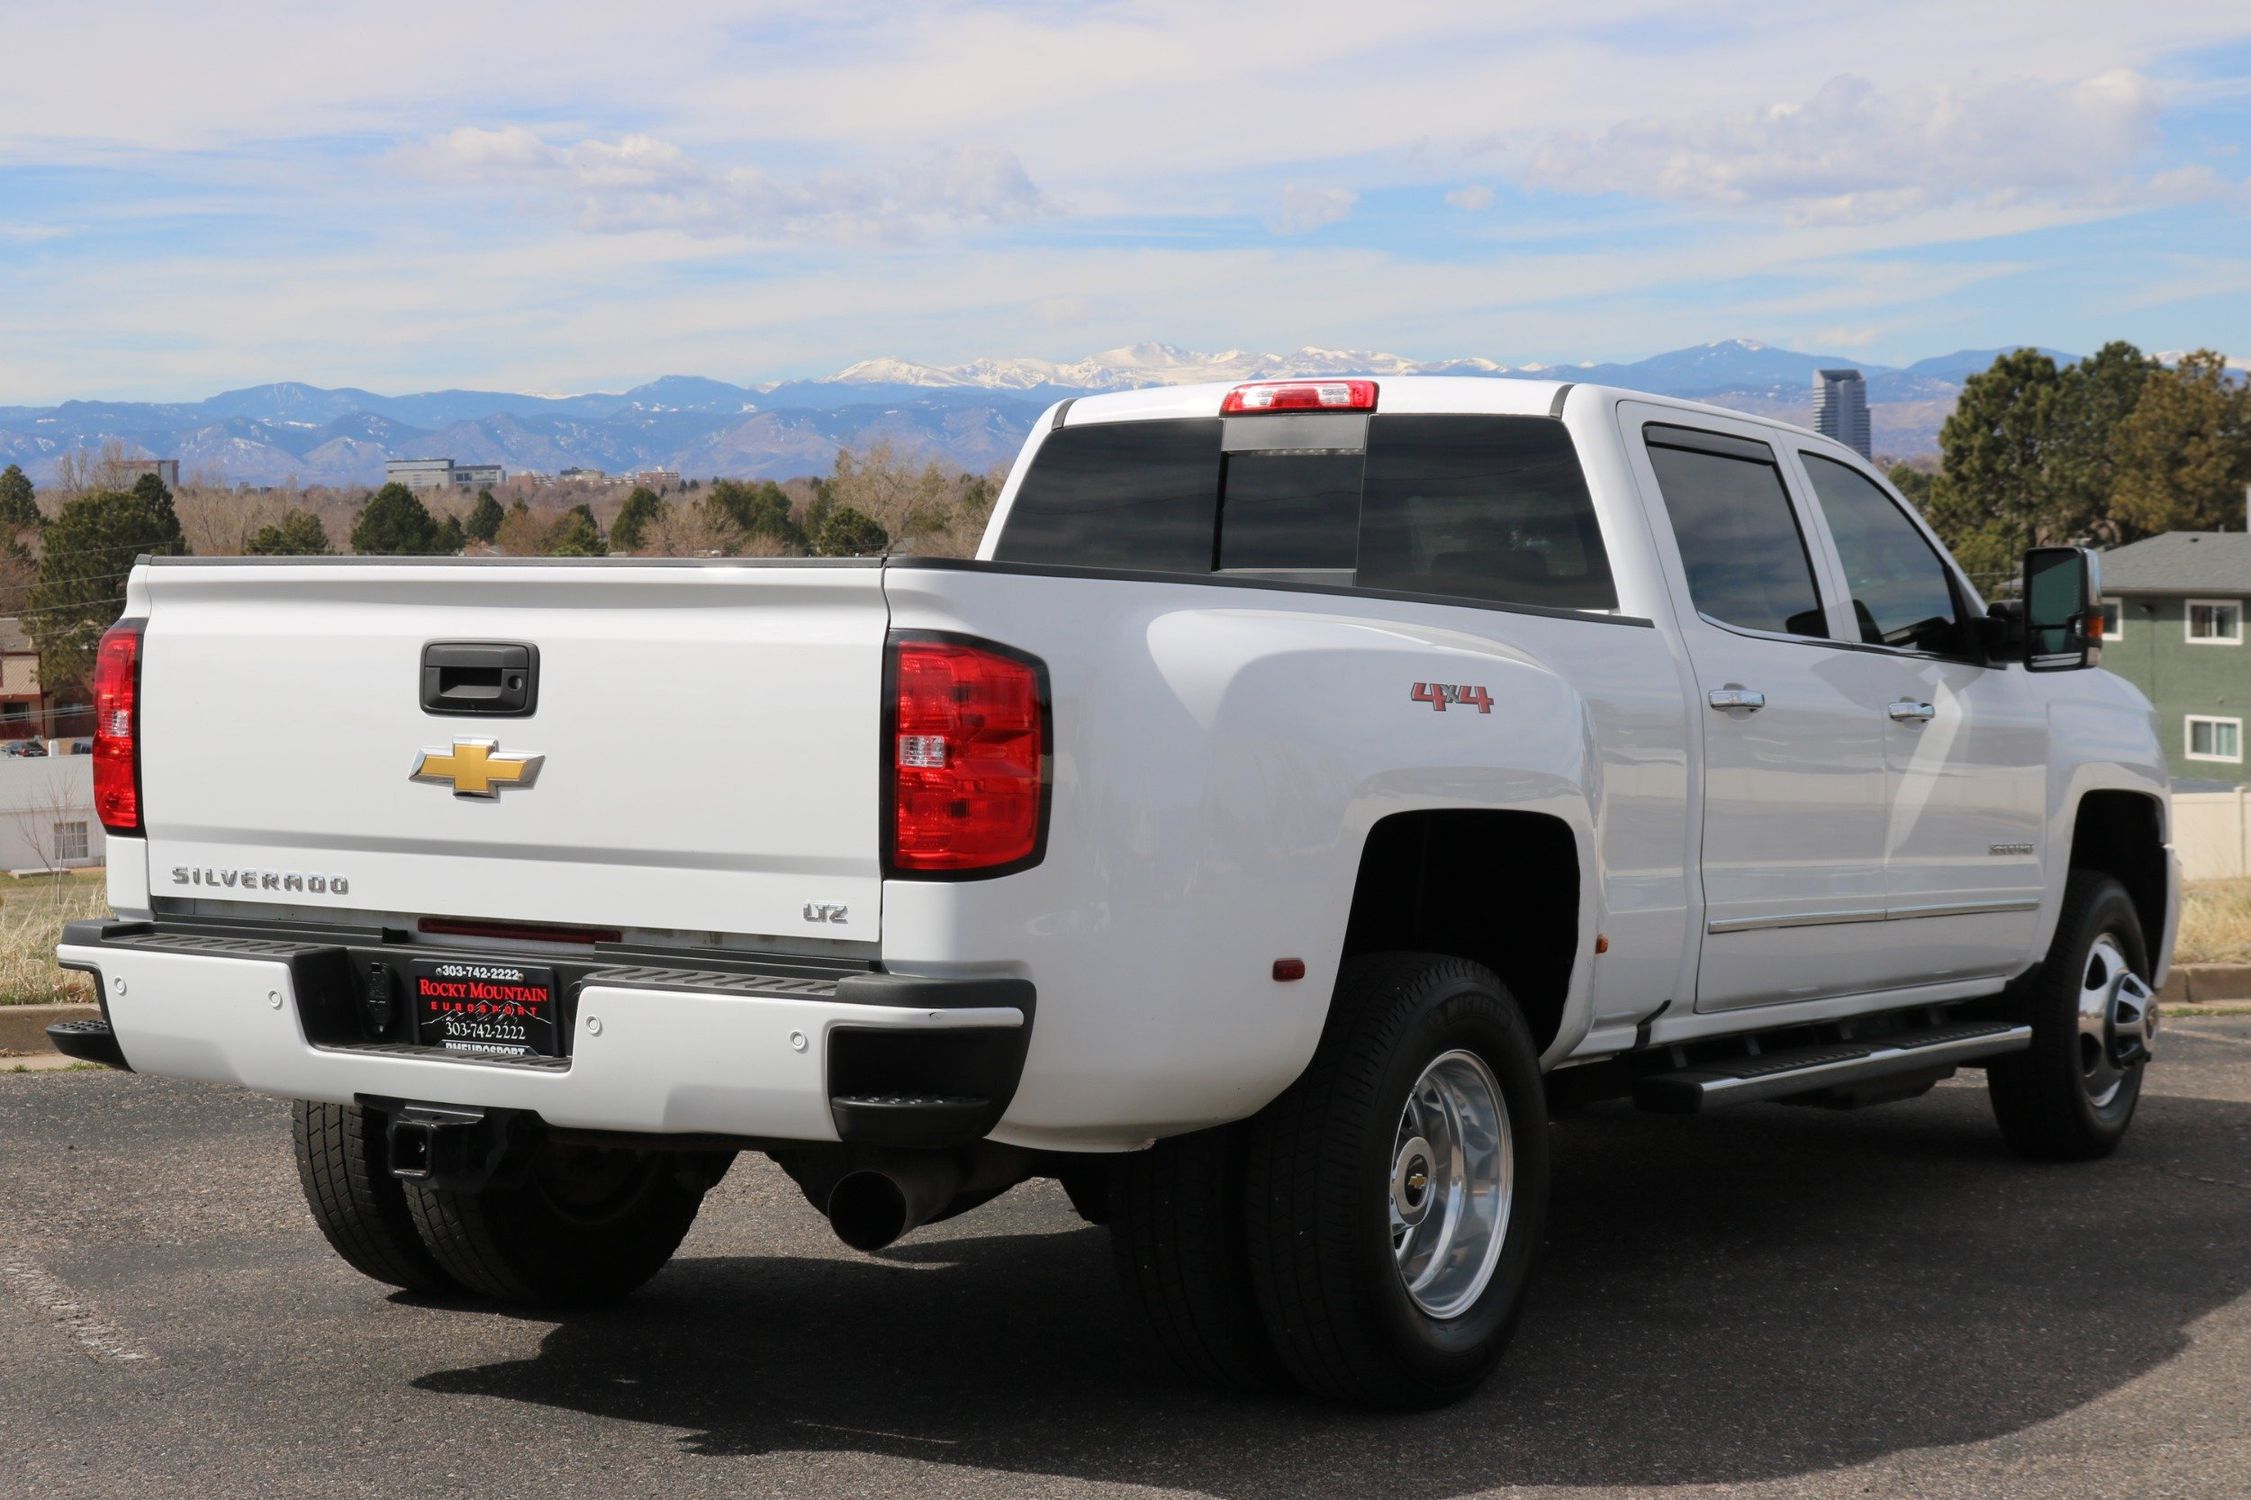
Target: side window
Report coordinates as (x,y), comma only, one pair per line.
(1902,594)
(1745,557)
(1481,507)
(1139,495)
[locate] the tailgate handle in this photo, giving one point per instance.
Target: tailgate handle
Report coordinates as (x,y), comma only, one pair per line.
(494,678)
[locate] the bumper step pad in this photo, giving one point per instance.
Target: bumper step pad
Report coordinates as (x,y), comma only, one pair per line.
(88,1041)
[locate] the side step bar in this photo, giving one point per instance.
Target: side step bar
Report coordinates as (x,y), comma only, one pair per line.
(1804,1070)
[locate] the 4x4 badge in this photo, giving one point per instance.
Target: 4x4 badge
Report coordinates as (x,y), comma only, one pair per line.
(476,768)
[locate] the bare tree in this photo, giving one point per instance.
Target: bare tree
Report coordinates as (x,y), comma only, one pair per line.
(54,820)
(83,470)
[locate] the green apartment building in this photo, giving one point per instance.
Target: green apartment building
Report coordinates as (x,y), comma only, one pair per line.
(2173,609)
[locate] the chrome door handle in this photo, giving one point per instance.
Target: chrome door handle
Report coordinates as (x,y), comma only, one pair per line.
(1736,697)
(1906,711)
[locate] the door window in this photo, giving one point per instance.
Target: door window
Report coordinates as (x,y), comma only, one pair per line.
(1902,593)
(1740,544)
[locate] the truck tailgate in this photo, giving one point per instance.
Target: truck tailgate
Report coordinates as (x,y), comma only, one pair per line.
(708,737)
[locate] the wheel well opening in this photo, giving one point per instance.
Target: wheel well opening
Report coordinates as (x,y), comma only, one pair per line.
(2117,833)
(1497,888)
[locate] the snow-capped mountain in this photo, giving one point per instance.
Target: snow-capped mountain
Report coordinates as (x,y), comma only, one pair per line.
(1149,364)
(973,415)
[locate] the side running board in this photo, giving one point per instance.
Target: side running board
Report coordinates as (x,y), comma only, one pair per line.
(1804,1070)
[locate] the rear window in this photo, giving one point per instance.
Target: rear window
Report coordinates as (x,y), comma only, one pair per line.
(1489,508)
(1120,495)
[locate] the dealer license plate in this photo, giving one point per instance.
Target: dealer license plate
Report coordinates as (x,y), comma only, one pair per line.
(499,1009)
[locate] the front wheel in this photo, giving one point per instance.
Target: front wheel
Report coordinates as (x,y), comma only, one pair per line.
(1398,1190)
(2071,1095)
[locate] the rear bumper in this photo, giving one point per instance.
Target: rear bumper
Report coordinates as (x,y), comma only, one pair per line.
(861,1056)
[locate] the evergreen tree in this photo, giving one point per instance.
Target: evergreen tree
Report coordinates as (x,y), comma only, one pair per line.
(576,535)
(166,539)
(629,532)
(847,533)
(19,503)
(1990,499)
(448,539)
(298,534)
(393,523)
(2184,452)
(757,510)
(86,554)
(1910,481)
(2081,466)
(485,517)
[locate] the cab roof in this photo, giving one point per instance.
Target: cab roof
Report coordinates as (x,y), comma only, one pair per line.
(1497,395)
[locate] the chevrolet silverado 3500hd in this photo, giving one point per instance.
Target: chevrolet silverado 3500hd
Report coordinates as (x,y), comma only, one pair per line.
(1308,789)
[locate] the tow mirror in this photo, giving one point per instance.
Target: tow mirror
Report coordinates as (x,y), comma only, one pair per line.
(2062,609)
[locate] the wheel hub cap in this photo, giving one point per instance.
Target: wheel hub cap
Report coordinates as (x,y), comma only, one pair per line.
(2118,1019)
(1453,1174)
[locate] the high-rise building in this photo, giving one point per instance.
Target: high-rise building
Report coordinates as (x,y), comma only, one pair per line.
(1840,409)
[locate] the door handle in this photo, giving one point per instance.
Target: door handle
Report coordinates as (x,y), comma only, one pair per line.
(1908,711)
(1737,697)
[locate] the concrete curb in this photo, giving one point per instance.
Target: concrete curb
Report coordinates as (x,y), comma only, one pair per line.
(2207,984)
(23,1028)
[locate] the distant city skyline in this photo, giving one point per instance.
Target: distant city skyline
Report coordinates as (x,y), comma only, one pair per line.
(774,190)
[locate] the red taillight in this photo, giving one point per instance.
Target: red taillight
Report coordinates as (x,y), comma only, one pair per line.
(968,757)
(117,728)
(1299,395)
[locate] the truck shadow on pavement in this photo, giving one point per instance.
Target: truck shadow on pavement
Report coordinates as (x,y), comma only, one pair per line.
(1747,1297)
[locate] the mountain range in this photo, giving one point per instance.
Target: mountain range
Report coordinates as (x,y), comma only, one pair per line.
(972,415)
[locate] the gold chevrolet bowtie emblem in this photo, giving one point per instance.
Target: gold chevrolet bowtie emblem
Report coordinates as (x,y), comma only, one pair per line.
(476,768)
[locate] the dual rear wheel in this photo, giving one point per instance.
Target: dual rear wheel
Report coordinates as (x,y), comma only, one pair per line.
(1369,1235)
(566,1226)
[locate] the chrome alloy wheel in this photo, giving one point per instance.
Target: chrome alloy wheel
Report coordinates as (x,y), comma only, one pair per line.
(2117,1021)
(1453,1175)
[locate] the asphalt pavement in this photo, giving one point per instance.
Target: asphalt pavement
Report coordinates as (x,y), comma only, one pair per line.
(1775,1301)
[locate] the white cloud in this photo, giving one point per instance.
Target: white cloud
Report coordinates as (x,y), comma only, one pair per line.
(637,182)
(1475,198)
(1299,209)
(1856,153)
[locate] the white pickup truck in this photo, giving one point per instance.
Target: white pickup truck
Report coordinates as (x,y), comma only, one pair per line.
(1308,790)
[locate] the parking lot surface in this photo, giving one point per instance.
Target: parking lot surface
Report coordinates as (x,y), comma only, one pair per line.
(1771,1302)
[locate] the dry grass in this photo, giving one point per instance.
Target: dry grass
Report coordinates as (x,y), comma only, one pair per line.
(2215,923)
(32,913)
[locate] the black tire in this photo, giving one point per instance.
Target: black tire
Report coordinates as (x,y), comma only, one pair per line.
(1177,1238)
(343,1163)
(2040,1096)
(1321,1158)
(566,1226)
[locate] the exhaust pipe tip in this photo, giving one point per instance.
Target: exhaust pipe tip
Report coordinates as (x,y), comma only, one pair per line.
(868,1210)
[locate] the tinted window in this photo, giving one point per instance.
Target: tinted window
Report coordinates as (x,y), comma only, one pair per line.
(1119,495)
(1739,541)
(1478,507)
(1901,593)
(1293,511)
(1483,507)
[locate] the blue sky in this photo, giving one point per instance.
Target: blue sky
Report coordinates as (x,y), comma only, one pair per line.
(575,195)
